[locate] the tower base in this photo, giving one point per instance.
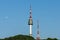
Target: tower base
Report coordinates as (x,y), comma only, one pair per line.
(30,34)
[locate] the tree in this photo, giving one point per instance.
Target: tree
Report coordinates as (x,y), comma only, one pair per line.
(52,39)
(20,37)
(55,39)
(49,39)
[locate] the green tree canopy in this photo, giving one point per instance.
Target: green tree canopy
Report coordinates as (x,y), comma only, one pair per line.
(52,39)
(19,37)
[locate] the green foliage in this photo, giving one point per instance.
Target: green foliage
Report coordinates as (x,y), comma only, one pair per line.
(55,39)
(52,39)
(19,37)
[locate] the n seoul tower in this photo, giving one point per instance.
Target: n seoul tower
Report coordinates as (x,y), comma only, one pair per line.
(30,21)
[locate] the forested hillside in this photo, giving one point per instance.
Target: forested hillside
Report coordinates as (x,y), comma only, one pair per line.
(19,37)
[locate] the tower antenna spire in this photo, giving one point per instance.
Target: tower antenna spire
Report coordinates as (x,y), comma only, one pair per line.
(38,33)
(30,11)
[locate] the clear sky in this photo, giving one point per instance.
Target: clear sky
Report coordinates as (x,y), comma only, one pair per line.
(14,15)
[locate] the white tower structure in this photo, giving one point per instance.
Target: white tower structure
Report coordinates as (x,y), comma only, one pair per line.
(30,21)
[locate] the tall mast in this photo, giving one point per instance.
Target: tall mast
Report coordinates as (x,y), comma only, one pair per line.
(38,33)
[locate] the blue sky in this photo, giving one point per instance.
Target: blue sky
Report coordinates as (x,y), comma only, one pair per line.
(14,15)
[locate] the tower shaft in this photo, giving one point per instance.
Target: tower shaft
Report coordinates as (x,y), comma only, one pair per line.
(30,30)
